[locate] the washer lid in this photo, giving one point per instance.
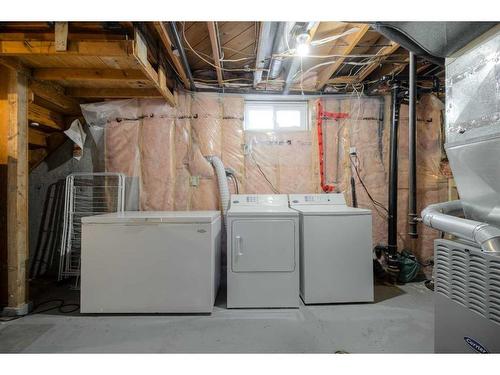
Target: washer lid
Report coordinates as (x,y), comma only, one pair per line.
(154,217)
(331,210)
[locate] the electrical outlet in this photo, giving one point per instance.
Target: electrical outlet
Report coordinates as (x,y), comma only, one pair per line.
(194,180)
(247,149)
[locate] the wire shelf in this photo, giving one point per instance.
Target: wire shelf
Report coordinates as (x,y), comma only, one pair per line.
(86,194)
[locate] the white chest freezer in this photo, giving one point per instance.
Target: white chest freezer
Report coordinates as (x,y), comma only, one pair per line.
(262,252)
(336,261)
(150,262)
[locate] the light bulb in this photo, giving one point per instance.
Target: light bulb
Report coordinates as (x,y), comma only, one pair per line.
(302,46)
(303,49)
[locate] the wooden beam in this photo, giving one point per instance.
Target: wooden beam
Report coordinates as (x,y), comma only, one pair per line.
(74,48)
(14,64)
(167,44)
(61,36)
(37,138)
(71,74)
(158,78)
(94,93)
(342,79)
(385,52)
(66,105)
(45,117)
(214,41)
(352,41)
(14,191)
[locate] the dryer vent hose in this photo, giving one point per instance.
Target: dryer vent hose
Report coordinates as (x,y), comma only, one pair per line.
(222,181)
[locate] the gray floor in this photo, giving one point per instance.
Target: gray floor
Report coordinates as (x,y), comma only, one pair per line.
(401,321)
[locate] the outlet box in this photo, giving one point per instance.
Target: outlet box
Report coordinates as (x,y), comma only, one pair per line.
(194,181)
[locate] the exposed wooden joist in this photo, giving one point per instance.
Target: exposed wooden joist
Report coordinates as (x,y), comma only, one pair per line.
(352,40)
(158,78)
(14,64)
(14,189)
(37,138)
(91,93)
(80,48)
(72,74)
(45,117)
(167,43)
(214,41)
(61,36)
(67,105)
(385,52)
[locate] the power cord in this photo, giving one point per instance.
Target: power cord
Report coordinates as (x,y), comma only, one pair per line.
(375,202)
(61,307)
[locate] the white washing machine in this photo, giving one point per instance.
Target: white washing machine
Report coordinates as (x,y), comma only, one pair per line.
(150,262)
(336,261)
(262,252)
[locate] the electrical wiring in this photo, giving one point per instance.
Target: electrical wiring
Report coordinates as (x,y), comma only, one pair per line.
(212,64)
(60,307)
(375,202)
(276,191)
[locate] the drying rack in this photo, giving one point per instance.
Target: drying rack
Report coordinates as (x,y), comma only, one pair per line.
(86,194)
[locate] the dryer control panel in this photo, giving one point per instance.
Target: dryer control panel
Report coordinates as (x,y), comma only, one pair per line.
(259,200)
(317,199)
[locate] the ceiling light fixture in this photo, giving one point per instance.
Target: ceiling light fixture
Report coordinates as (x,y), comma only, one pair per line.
(302,46)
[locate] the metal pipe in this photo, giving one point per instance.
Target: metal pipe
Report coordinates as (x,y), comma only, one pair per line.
(182,54)
(412,149)
(392,226)
(266,36)
(440,216)
(280,45)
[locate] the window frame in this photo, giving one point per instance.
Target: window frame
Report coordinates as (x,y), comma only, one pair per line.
(302,105)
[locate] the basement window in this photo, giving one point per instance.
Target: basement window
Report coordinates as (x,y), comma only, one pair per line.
(275,116)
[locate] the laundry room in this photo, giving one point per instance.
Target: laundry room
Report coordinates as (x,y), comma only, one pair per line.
(249,186)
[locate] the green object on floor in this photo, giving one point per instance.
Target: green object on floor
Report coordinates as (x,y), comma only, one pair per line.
(408,267)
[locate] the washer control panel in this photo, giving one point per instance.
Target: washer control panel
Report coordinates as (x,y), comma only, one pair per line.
(317,199)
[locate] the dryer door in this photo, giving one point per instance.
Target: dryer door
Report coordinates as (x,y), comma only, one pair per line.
(263,245)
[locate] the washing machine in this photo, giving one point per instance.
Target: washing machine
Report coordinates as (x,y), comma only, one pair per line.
(336,261)
(262,252)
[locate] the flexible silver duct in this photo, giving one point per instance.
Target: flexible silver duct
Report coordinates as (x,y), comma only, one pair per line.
(222,181)
(265,49)
(440,216)
(280,45)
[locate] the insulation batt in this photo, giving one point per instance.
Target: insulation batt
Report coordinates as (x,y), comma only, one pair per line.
(167,150)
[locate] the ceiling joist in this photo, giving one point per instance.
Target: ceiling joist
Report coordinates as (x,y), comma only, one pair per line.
(71,74)
(214,41)
(352,41)
(157,77)
(167,44)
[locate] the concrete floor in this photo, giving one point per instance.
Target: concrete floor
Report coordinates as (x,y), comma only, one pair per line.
(400,321)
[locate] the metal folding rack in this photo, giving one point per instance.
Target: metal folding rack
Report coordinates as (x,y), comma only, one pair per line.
(86,194)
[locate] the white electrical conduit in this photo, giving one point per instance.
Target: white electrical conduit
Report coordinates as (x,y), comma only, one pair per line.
(440,216)
(220,171)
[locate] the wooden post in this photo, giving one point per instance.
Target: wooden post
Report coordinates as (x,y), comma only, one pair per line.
(14,191)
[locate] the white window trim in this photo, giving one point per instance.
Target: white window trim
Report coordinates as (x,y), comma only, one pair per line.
(304,107)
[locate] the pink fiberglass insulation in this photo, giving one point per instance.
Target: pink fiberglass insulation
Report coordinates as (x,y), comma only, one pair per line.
(182,190)
(232,134)
(206,195)
(157,164)
(206,124)
(261,163)
(122,147)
